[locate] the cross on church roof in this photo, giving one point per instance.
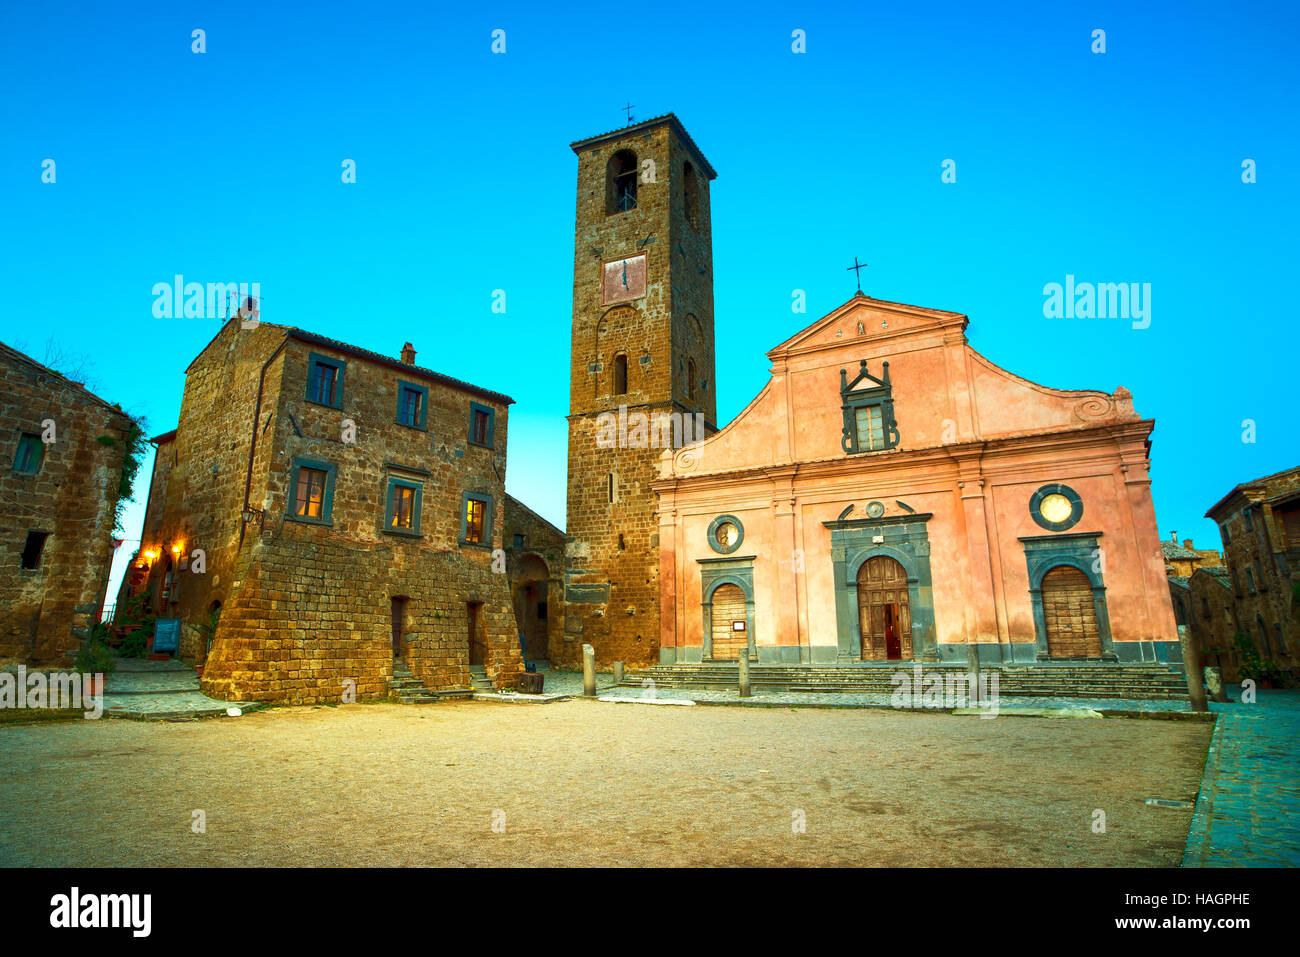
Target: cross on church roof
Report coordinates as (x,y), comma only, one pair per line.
(628,108)
(857,268)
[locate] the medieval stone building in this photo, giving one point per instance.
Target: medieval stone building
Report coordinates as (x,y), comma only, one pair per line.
(1259,523)
(63,460)
(332,510)
(641,372)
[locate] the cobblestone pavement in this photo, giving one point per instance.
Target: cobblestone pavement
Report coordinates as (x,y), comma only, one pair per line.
(1248,812)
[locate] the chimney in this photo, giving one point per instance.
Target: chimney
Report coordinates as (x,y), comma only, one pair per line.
(1187,544)
(1173,536)
(408,354)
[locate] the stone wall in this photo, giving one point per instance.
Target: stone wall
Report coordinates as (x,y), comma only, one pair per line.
(46,612)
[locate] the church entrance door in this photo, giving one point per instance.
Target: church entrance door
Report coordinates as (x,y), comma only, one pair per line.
(884,613)
(730,635)
(1070,614)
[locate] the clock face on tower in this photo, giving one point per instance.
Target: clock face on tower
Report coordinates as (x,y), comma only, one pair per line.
(624,279)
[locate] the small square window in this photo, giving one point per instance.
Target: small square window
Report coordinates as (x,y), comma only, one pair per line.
(519,540)
(30,455)
(311,492)
(403,510)
(325,380)
(309,501)
(474,521)
(481,421)
(412,402)
(34,549)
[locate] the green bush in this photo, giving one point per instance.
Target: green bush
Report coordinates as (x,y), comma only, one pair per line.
(134,645)
(95,657)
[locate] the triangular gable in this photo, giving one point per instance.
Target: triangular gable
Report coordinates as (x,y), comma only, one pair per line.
(863,319)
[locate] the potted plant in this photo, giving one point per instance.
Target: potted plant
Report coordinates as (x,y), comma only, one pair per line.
(95,659)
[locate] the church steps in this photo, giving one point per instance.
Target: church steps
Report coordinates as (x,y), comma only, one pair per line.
(1101,680)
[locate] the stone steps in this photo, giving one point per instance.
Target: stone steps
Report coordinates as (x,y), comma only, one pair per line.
(478,679)
(1101,680)
(408,689)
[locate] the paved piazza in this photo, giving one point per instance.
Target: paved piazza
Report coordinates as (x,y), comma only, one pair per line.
(588,783)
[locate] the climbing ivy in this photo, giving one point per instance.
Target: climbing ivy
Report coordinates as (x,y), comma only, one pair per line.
(133,452)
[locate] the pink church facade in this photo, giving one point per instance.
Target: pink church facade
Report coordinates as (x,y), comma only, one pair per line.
(893,495)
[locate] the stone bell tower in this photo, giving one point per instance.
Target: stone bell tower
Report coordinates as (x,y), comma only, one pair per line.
(641,372)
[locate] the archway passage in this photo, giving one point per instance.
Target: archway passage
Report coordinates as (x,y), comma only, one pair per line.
(884,611)
(730,625)
(531,592)
(1070,614)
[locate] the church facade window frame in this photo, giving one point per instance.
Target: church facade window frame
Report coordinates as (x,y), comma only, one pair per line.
(879,394)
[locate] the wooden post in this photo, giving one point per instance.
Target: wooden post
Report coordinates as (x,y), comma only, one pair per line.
(742,663)
(1192,670)
(588,671)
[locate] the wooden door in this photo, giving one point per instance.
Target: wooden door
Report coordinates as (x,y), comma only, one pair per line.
(1070,614)
(399,607)
(477,650)
(884,613)
(730,624)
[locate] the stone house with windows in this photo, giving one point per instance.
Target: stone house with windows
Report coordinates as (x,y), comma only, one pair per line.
(1259,523)
(62,457)
(892,495)
(332,510)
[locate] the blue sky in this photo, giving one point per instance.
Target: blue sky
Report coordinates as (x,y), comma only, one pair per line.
(1122,166)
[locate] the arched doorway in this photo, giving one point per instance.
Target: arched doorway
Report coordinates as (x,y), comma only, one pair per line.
(530,590)
(1070,614)
(884,612)
(729,627)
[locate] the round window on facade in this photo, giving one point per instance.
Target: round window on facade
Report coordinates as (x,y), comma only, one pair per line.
(1056,507)
(725,534)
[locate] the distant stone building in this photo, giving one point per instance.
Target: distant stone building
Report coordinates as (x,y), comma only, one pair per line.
(333,509)
(1259,523)
(535,567)
(1182,560)
(1211,617)
(64,450)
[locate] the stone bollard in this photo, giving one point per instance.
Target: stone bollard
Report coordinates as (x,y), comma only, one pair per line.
(973,666)
(588,671)
(618,672)
(742,664)
(1192,670)
(1214,685)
